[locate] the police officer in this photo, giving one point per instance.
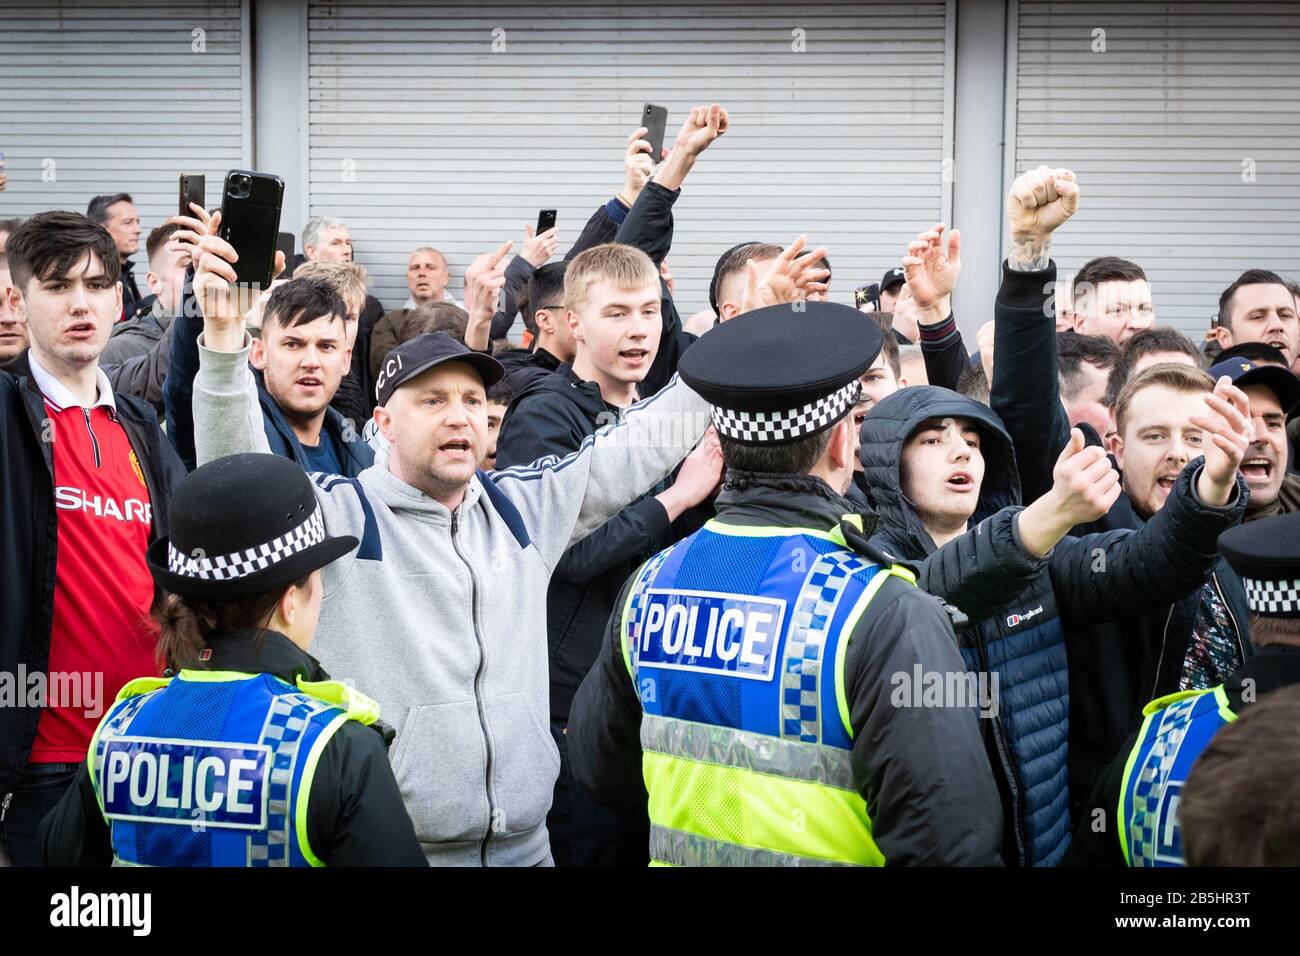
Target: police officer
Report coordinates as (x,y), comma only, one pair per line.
(1144,784)
(757,676)
(250,755)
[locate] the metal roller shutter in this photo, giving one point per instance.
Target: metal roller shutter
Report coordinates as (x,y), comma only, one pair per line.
(1162,128)
(101,96)
(421,134)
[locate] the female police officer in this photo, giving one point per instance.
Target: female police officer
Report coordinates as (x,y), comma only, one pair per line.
(250,755)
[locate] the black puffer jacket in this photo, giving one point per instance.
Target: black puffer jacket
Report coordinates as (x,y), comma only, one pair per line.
(1024,607)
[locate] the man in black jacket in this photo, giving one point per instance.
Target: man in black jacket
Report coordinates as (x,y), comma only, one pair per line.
(78,512)
(1114,670)
(613,294)
(545,317)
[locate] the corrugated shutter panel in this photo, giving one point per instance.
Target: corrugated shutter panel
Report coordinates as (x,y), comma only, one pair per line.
(1158,128)
(456,146)
(104,97)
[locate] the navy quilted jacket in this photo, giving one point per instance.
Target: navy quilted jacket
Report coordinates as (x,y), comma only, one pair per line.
(1020,605)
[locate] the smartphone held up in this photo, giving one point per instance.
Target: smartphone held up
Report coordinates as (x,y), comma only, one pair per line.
(250,222)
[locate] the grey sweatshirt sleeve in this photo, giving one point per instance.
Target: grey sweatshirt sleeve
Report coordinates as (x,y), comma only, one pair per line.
(562,500)
(227,415)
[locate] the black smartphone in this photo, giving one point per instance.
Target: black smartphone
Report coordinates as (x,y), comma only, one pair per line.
(250,221)
(284,243)
(193,190)
(867,294)
(655,120)
(545,220)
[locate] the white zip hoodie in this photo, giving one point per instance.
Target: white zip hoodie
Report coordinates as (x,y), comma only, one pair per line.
(440,616)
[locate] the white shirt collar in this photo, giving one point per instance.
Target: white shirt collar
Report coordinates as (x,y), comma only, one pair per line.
(60,396)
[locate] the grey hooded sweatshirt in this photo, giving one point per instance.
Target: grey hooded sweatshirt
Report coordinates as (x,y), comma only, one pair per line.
(440,615)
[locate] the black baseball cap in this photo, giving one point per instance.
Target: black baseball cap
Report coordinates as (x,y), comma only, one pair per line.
(893,277)
(1244,372)
(422,353)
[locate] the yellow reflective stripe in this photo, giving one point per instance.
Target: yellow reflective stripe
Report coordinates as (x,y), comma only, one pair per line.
(758,810)
(1225,708)
(212,677)
(357,705)
(764,531)
(669,847)
(761,753)
(1120,815)
(842,648)
(622,637)
(304,788)
(1160,703)
(141,685)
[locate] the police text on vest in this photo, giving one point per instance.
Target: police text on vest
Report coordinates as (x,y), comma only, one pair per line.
(710,632)
(216,784)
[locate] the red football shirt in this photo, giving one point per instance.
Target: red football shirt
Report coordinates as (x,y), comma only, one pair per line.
(102,635)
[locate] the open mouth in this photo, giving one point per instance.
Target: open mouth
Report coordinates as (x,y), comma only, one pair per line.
(81,330)
(1257,470)
(960,481)
(1166,483)
(310,382)
(456,445)
(634,355)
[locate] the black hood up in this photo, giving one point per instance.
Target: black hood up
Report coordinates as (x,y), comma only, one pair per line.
(883,434)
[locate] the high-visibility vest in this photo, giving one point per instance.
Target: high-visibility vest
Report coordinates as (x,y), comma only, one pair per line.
(214,768)
(1175,730)
(735,639)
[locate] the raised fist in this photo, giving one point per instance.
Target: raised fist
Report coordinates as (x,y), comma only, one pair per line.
(1040,201)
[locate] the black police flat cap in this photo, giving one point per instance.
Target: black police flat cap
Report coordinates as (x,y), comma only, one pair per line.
(422,353)
(1266,553)
(242,526)
(785,371)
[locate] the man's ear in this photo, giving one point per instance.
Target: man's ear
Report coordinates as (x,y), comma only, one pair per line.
(542,319)
(15,300)
(1077,322)
(841,446)
(1225,337)
(384,422)
(155,284)
(902,383)
(575,325)
(257,354)
(728,311)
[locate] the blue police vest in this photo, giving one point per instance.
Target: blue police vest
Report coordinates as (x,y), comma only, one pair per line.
(735,640)
(1175,731)
(215,768)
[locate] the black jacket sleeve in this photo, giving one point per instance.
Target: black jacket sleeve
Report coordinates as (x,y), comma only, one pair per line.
(536,426)
(1096,837)
(144,375)
(604,735)
(983,570)
(944,353)
(1114,574)
(518,272)
(355,815)
(75,833)
(922,771)
(178,389)
(1025,390)
(629,534)
(601,228)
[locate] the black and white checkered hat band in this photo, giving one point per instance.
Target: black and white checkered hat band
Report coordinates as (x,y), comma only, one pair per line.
(241,564)
(767,427)
(1273,598)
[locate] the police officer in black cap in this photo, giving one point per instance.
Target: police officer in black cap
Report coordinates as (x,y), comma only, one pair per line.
(763,678)
(1145,781)
(246,754)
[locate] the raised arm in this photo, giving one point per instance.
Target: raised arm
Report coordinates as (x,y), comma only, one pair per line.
(932,266)
(1025,390)
(604,223)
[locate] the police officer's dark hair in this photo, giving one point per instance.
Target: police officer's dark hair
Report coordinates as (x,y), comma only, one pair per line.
(1241,803)
(50,243)
(1250,277)
(300,301)
(1150,341)
(185,623)
(545,288)
(97,211)
(792,458)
